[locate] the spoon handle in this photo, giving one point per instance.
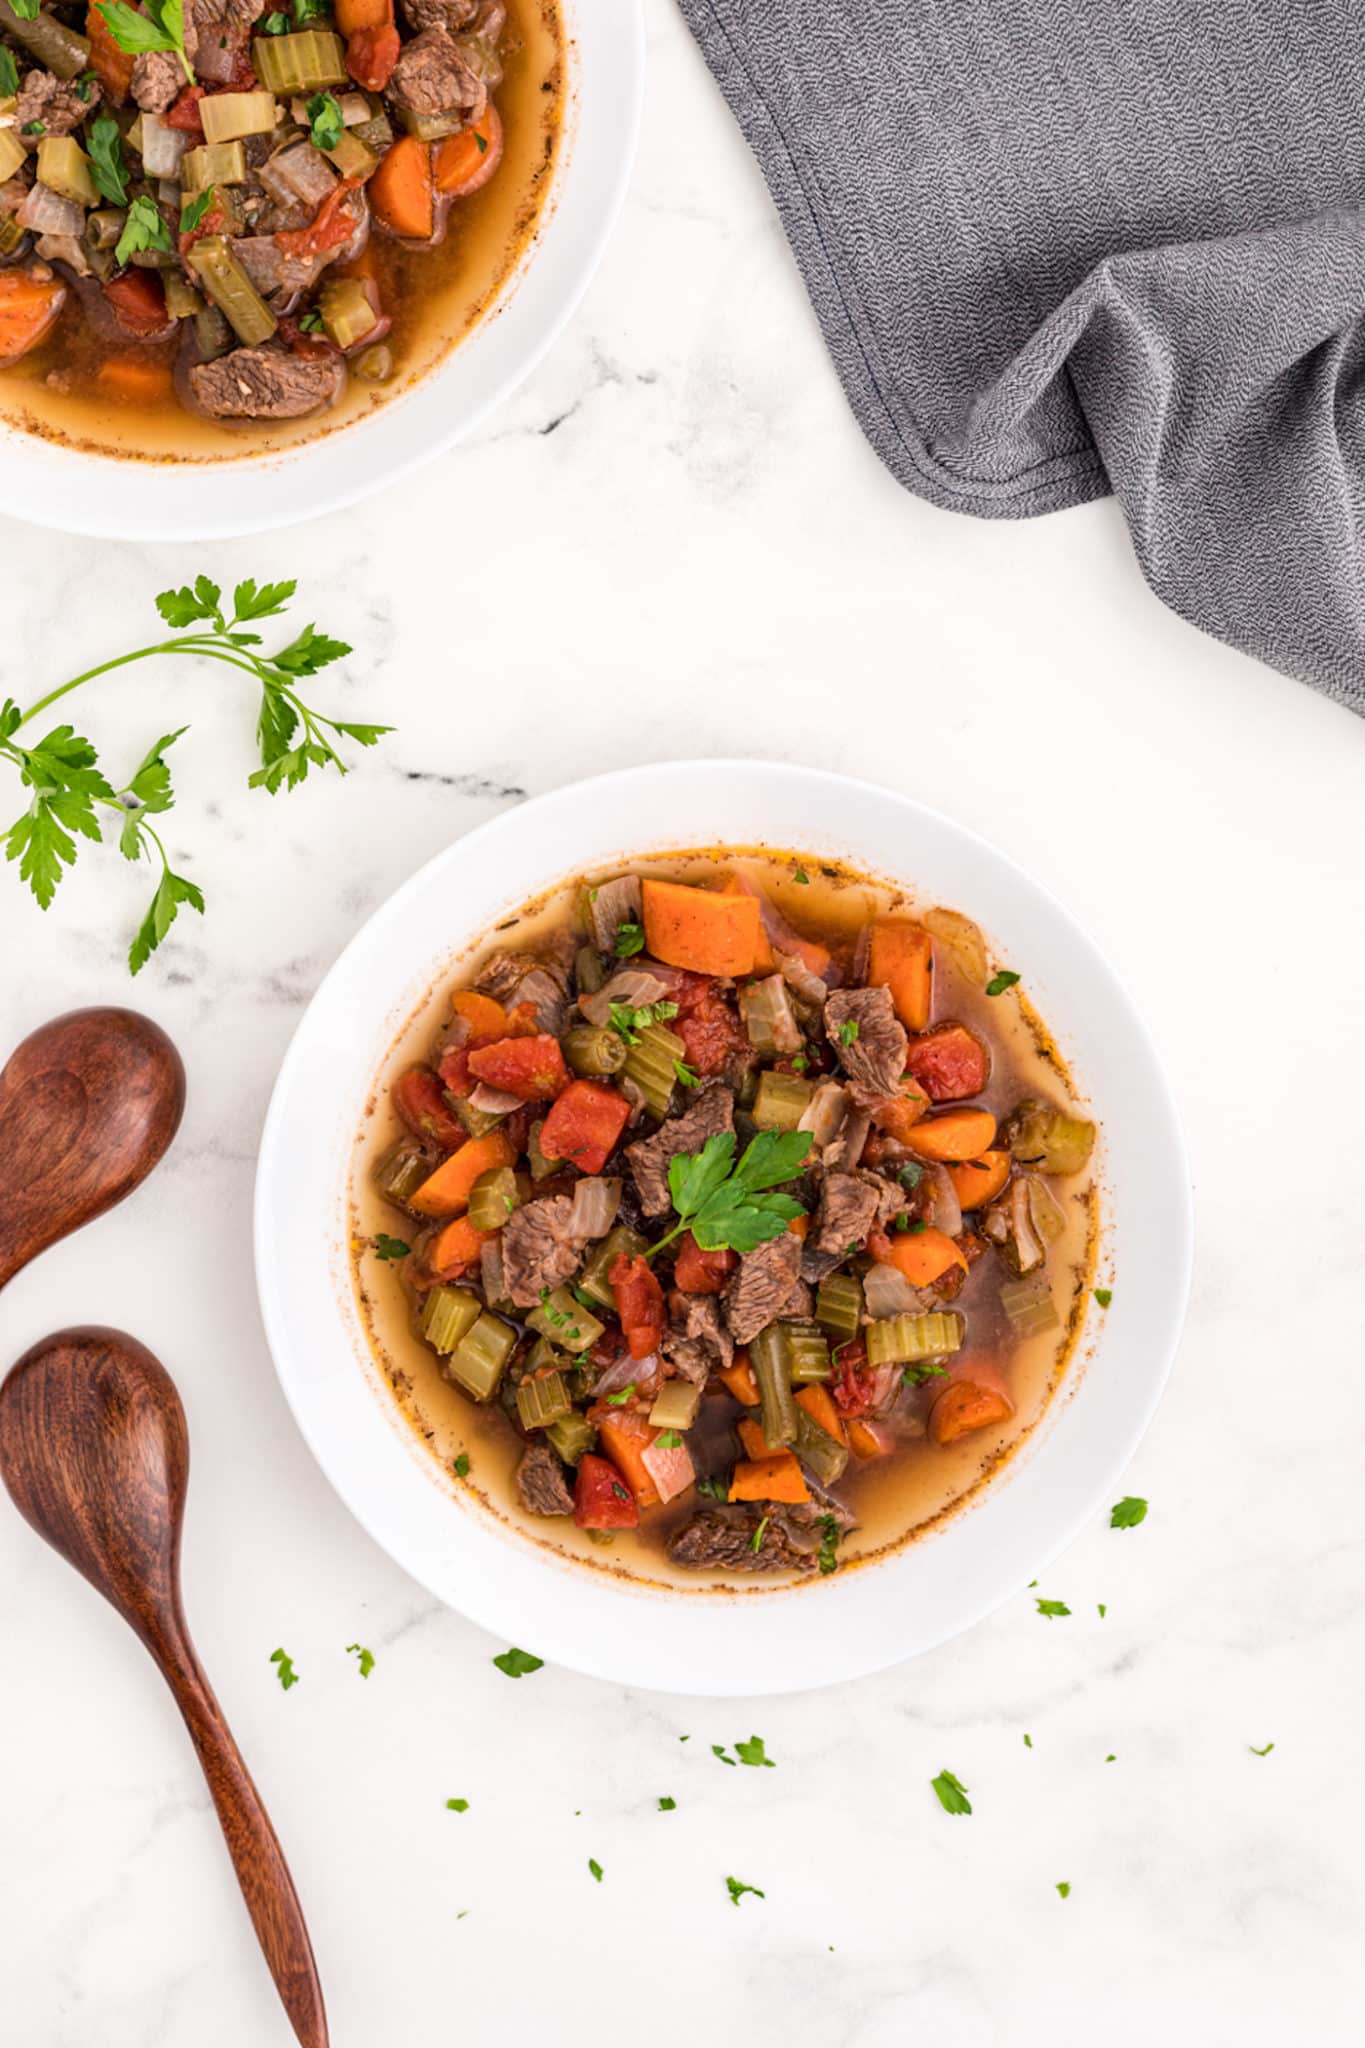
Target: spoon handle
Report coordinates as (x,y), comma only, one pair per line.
(262,1872)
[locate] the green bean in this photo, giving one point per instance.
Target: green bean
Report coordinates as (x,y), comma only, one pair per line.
(820,1452)
(589,971)
(910,1340)
(542,1399)
(572,1435)
(839,1306)
(230,289)
(480,1358)
(478,1122)
(652,1064)
(448,1314)
(492,1198)
(104,227)
(594,1050)
(58,49)
(565,1322)
(182,300)
(541,1167)
(402,1170)
(781,1101)
(770,1357)
(595,1279)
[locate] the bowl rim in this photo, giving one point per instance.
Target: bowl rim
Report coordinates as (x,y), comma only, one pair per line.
(620,1646)
(92,493)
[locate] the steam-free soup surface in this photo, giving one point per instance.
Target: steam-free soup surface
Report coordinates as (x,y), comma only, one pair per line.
(800,1389)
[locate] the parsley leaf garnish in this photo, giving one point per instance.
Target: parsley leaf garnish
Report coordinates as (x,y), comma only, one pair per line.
(276,24)
(386,1247)
(667,1805)
(366,1657)
(518,1663)
(667,1440)
(756,1540)
(620,1399)
(752,1752)
(729,1206)
(1064,1889)
(911,1174)
(801,876)
(286,1673)
(460,1466)
(325,124)
(998,983)
(737,1890)
(630,1019)
(685,1074)
(952,1793)
(105,144)
(1128,1512)
(596,1868)
(9,74)
(162,27)
(1104,1295)
(145,228)
(718,1749)
(193,211)
(630,939)
(1053,1608)
(848,1031)
(457,1806)
(714,1488)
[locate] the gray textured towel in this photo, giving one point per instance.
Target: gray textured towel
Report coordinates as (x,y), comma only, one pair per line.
(1059,249)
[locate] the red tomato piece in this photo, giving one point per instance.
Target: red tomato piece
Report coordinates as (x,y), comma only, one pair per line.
(950,1063)
(584,1125)
(531,1068)
(601,1498)
(371,54)
(699,1272)
(332,224)
(185,111)
(853,1387)
(137,300)
(708,1024)
(418,1098)
(639,1303)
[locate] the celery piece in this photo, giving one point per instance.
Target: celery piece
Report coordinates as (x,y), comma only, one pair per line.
(572,1435)
(182,300)
(676,1405)
(770,1357)
(652,1064)
(347,314)
(11,234)
(480,1358)
(12,155)
(231,290)
(542,1400)
(299,63)
(595,1279)
(839,1306)
(448,1314)
(226,116)
(432,127)
(492,1198)
(808,1350)
(1028,1304)
(402,1170)
(781,1101)
(818,1451)
(213,163)
(565,1322)
(911,1339)
(64,168)
(478,1122)
(594,1051)
(1051,1139)
(543,1357)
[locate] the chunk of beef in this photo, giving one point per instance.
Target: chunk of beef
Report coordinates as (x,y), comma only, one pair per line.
(849,1206)
(541,1484)
(869,1038)
(711,1110)
(57,109)
(539,1250)
(697,1339)
(722,1539)
(767,1283)
(450,15)
(523,978)
(159,78)
(432,76)
(822,1506)
(270,270)
(266,384)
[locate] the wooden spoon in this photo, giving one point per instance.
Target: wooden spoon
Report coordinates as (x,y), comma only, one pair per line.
(94,1450)
(88,1105)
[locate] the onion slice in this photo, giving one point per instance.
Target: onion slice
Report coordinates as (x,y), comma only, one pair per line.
(595,1203)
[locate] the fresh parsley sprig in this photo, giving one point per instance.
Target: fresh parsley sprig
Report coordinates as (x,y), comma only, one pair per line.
(68,789)
(161,27)
(733,1207)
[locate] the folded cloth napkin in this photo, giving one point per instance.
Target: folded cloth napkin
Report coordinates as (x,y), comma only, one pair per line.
(1059,249)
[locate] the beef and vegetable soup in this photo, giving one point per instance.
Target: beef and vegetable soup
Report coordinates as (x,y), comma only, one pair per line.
(734,1218)
(224,226)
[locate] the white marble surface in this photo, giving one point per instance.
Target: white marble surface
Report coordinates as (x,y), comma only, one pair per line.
(676,532)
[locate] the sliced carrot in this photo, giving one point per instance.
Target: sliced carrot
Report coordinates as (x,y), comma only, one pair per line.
(456,1248)
(978,1181)
(755,1444)
(954,1135)
(866,1440)
(446,1192)
(626,1436)
(776,1478)
(901,954)
(765,960)
(701,929)
(28,307)
(819,1405)
(965,1406)
(923,1256)
(738,1379)
(466,161)
(401,190)
(897,1114)
(486,1019)
(134,379)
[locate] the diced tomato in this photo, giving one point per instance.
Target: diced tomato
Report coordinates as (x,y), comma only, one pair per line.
(137,299)
(601,1498)
(112,66)
(185,112)
(950,1062)
(699,1272)
(531,1068)
(419,1101)
(853,1387)
(639,1303)
(332,224)
(708,1024)
(584,1125)
(453,1068)
(371,54)
(312,347)
(216,221)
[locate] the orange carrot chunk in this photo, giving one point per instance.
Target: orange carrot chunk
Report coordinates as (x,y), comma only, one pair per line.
(923,1256)
(775,1478)
(738,1379)
(700,928)
(456,1248)
(954,1135)
(465,162)
(28,307)
(978,1181)
(401,190)
(965,1406)
(901,954)
(819,1405)
(446,1192)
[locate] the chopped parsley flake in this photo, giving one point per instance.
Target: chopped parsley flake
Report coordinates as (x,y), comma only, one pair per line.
(1028,1742)
(518,1663)
(461,1466)
(1104,1295)
(829,1545)
(667,1805)
(620,1400)
(1260,1752)
(1103,1610)
(952,1793)
(1064,1889)
(737,1890)
(848,1031)
(457,1806)
(998,983)
(286,1673)
(714,1489)
(630,938)
(386,1247)
(911,1174)
(803,878)
(756,1540)
(685,1074)
(667,1440)
(596,1868)
(366,1657)
(1052,1608)
(752,1752)
(1128,1512)
(718,1749)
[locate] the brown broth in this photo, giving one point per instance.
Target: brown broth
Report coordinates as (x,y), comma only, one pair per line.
(896,1498)
(436,296)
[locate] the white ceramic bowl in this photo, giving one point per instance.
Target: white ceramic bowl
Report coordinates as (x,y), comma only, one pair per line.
(77,491)
(752,1641)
